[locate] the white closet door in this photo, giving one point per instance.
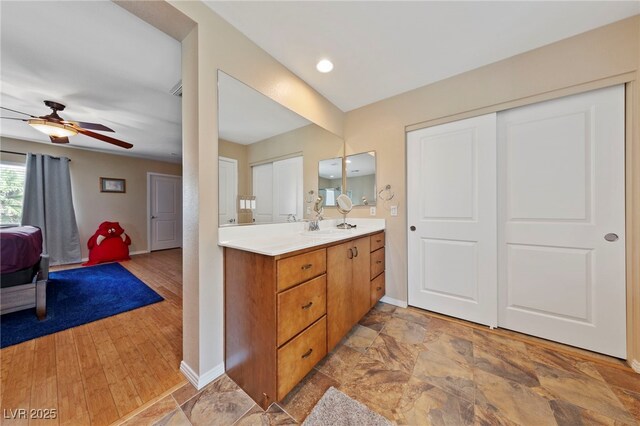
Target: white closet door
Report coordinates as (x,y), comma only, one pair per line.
(561,191)
(228,190)
(263,191)
(287,189)
(452,205)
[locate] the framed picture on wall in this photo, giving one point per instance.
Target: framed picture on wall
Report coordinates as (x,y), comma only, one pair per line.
(113,185)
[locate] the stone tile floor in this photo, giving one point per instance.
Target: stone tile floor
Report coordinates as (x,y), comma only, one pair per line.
(417,368)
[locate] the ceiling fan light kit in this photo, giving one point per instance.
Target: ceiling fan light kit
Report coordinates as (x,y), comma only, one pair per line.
(59,129)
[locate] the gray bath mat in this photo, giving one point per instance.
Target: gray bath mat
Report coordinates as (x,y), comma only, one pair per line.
(337,409)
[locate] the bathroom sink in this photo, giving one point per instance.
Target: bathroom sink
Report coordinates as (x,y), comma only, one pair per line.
(326,233)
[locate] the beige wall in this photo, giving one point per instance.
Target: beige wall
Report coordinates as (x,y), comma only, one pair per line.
(215,45)
(603,56)
(91,206)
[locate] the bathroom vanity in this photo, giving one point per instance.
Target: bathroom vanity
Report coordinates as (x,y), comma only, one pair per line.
(290,299)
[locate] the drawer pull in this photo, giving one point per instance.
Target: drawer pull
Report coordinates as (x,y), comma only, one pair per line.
(379,288)
(350,255)
(378,262)
(307,306)
(307,266)
(377,241)
(356,254)
(307,354)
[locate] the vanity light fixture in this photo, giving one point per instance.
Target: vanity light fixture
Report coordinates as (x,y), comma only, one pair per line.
(324,66)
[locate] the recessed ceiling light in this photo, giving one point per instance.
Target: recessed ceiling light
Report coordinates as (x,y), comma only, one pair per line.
(331,176)
(348,161)
(324,65)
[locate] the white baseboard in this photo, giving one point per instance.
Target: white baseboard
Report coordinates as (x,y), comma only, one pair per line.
(635,364)
(133,253)
(392,301)
(201,381)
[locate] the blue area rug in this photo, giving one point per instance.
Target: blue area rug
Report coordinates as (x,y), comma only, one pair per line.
(76,297)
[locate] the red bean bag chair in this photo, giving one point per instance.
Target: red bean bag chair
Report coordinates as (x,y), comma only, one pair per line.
(108,244)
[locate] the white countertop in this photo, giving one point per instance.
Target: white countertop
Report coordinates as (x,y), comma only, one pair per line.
(280,238)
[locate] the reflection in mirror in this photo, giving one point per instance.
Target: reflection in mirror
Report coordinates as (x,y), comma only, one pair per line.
(330,180)
(268,157)
(361,178)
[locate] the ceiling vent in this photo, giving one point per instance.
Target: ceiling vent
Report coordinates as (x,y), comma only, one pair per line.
(177,89)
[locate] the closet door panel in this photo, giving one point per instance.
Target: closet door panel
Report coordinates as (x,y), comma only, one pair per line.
(561,178)
(452,206)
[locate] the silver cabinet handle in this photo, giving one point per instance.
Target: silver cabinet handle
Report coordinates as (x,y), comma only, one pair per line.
(611,237)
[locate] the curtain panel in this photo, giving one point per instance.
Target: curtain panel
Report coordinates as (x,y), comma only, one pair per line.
(48,204)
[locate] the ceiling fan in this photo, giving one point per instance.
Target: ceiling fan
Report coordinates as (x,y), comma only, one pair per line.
(59,129)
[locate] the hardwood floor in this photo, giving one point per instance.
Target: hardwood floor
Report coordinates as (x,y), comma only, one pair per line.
(99,372)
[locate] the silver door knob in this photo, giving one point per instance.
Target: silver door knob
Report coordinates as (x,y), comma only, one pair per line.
(611,237)
(154,217)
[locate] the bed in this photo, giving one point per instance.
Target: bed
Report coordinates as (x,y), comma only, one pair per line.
(24,270)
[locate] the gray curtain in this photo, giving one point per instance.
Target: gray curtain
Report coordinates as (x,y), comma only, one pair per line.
(48,205)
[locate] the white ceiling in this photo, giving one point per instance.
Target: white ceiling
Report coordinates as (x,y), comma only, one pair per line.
(103,63)
(247,116)
(383,48)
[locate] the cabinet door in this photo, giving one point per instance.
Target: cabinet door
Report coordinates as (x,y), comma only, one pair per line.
(361,279)
(339,294)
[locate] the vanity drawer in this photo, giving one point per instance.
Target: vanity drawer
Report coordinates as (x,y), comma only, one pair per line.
(377,241)
(377,289)
(296,269)
(377,262)
(297,358)
(300,306)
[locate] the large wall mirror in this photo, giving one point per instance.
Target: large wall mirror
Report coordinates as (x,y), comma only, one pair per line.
(269,157)
(361,178)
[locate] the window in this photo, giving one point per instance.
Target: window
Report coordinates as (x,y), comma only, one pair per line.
(12,177)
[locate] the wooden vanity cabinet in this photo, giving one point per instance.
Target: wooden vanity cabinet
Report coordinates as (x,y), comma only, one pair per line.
(377,268)
(348,287)
(284,313)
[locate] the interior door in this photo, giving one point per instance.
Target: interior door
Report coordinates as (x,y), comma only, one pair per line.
(263,191)
(228,190)
(165,202)
(561,220)
(451,183)
(287,189)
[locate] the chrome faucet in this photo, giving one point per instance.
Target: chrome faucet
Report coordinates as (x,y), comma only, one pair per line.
(291,218)
(314,225)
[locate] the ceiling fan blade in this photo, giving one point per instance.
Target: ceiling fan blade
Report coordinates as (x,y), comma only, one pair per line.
(63,139)
(90,126)
(19,112)
(104,138)
(14,118)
